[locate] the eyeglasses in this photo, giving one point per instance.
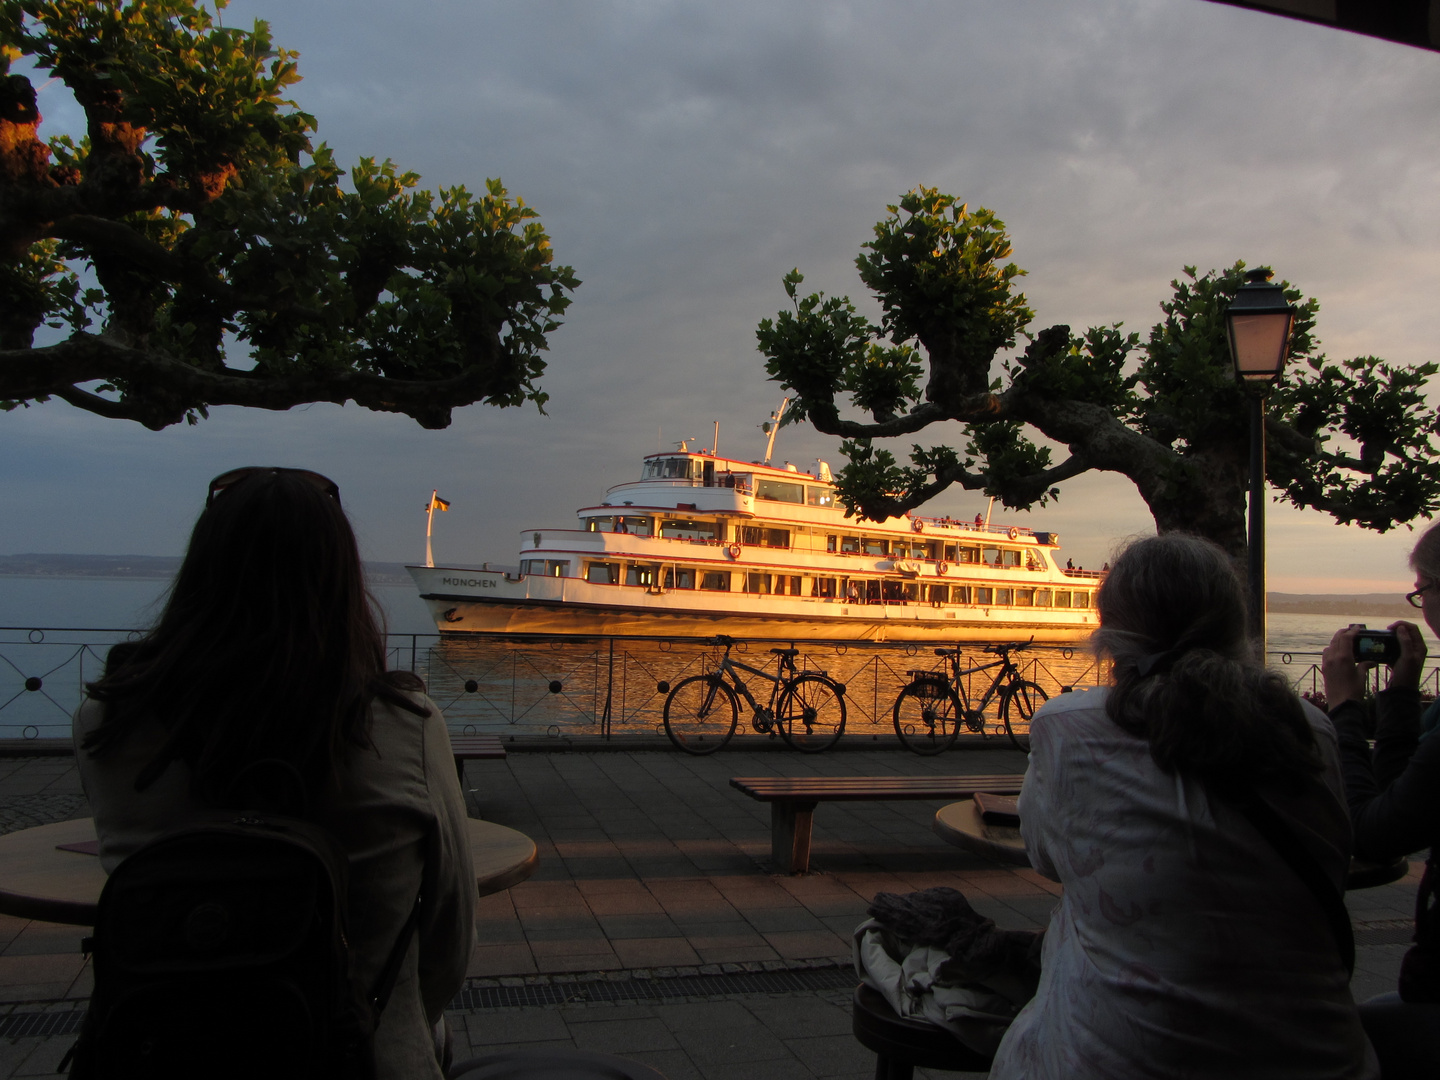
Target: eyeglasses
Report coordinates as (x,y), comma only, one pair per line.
(1417,598)
(229,479)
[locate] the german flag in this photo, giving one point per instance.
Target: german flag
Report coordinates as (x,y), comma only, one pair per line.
(437,503)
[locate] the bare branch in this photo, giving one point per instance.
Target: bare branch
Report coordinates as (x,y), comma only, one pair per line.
(985,406)
(174,387)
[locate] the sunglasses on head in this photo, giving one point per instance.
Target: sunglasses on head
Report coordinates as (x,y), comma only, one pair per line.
(229,479)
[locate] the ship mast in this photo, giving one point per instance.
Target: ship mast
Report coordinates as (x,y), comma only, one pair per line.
(771,426)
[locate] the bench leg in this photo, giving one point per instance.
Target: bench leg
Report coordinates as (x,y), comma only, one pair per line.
(790,824)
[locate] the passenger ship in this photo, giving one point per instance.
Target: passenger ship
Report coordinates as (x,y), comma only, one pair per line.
(702,544)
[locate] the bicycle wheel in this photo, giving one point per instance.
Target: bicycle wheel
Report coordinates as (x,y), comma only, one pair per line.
(1022,698)
(811,713)
(927,716)
(700,714)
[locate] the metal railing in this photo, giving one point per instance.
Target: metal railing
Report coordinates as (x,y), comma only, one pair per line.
(561,686)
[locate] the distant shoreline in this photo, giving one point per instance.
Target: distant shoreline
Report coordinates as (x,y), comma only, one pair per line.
(144,568)
(163,567)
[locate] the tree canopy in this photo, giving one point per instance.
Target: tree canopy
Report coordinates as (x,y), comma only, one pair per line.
(1350,438)
(195,249)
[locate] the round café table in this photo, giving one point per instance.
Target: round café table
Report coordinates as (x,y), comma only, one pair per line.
(40,880)
(960,823)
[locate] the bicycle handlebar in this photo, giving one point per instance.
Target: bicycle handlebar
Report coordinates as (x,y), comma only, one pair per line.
(1013,646)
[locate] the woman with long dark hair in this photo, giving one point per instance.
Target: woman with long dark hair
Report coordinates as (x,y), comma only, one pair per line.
(1186,943)
(268,650)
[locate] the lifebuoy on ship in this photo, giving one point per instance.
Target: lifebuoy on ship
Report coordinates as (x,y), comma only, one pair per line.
(917,524)
(942,568)
(733,551)
(1014,533)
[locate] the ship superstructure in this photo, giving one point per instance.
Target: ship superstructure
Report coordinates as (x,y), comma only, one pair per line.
(702,544)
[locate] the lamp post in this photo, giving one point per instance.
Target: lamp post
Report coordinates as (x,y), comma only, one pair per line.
(1258,323)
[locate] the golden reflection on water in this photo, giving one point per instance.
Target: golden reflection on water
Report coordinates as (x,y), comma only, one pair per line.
(589,687)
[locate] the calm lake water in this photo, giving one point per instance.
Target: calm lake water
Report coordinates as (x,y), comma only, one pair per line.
(561,689)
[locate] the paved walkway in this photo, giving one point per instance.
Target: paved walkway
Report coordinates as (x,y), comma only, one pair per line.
(653,927)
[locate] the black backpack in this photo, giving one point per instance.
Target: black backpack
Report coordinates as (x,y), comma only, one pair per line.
(221,950)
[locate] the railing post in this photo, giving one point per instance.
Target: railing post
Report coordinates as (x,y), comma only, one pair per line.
(606,718)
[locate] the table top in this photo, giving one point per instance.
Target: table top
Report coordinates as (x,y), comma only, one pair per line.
(38,881)
(960,824)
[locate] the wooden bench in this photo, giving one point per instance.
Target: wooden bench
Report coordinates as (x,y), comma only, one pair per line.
(793,800)
(474,748)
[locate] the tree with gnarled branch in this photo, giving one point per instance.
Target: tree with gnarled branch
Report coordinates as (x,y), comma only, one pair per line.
(1352,439)
(195,222)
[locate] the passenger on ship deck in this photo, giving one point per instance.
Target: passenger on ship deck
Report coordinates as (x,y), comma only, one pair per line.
(269,648)
(1184,944)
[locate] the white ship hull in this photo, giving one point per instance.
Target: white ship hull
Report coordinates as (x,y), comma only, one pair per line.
(711,545)
(473,601)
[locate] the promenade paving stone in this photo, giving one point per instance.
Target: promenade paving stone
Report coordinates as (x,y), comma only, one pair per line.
(650,861)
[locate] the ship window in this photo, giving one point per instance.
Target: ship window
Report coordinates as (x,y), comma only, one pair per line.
(832,543)
(641,574)
(984,596)
(823,587)
(716,581)
(603,573)
(676,468)
(819,496)
(755,536)
(637,526)
(960,594)
(546,567)
(779,491)
(850,544)
(872,546)
(757,583)
(629,523)
(951,554)
(532,566)
(1062,599)
(1042,597)
(1003,596)
(939,594)
(969,554)
(680,578)
(1082,599)
(687,529)
(1009,557)
(787,585)
(1024,597)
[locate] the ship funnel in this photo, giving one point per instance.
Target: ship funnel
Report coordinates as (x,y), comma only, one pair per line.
(825,471)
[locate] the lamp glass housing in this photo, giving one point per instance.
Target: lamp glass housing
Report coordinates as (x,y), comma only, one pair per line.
(1259,344)
(1258,323)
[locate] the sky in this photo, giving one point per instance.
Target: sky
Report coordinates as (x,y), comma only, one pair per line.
(684,156)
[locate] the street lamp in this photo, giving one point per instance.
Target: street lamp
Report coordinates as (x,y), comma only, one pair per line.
(1258,323)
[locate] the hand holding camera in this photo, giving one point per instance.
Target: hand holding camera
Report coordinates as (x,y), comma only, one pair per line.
(1353,651)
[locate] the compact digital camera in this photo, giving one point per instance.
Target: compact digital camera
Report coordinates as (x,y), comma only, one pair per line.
(1376,646)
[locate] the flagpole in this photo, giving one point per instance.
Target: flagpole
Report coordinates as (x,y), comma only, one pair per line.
(429,520)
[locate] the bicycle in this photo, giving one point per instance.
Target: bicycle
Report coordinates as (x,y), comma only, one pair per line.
(806,709)
(930,709)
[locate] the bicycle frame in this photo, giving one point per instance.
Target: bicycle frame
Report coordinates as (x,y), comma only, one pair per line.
(1008,673)
(778,682)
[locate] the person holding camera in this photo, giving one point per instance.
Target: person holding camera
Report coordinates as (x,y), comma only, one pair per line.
(1394,791)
